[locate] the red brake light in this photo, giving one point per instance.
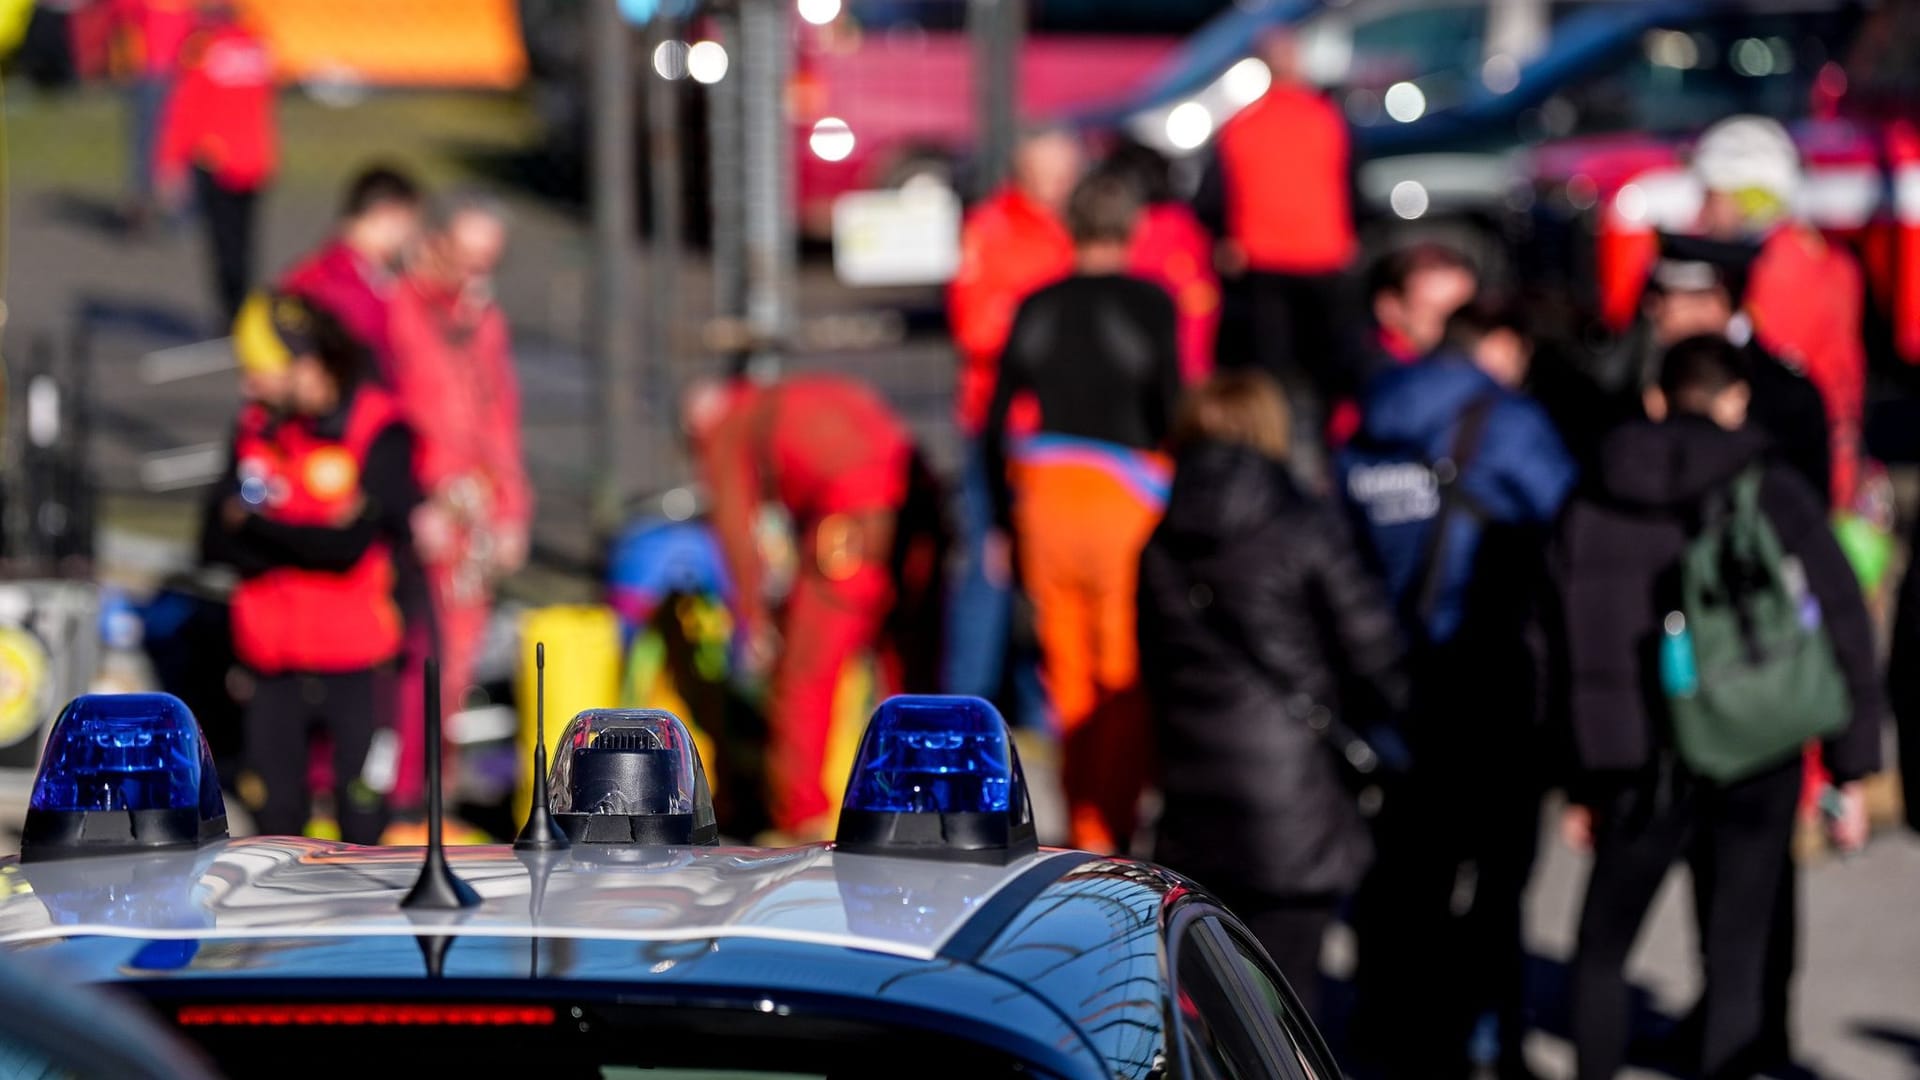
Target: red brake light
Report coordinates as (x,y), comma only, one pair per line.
(365,1015)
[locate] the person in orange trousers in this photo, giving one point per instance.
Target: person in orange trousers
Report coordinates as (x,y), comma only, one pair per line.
(1085,398)
(838,460)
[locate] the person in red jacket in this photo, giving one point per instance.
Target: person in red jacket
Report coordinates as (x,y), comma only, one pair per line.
(1280,194)
(218,136)
(352,276)
(838,460)
(453,373)
(1012,245)
(148,35)
(1804,295)
(1172,249)
(319,494)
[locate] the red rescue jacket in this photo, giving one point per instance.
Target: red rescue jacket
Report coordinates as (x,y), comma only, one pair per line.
(220,114)
(1010,248)
(1173,250)
(1287,162)
(309,621)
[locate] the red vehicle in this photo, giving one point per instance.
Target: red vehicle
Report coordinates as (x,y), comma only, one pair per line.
(884,89)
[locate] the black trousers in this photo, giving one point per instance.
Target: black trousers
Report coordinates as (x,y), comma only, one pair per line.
(1302,330)
(229,217)
(1737,839)
(282,718)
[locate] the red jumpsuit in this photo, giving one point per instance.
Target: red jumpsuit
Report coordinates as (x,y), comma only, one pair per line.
(833,454)
(453,368)
(1010,248)
(357,293)
(1174,251)
(1805,295)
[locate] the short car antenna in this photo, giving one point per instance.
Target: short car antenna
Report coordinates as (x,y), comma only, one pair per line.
(439,888)
(541,832)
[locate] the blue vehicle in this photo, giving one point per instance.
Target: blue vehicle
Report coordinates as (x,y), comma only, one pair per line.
(933,937)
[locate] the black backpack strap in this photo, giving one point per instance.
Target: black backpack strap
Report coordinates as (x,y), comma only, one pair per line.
(1421,601)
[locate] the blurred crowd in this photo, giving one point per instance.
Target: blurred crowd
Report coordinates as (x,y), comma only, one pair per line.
(1301,538)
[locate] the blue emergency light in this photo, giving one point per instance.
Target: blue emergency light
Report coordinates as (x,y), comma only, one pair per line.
(937,777)
(630,776)
(123,773)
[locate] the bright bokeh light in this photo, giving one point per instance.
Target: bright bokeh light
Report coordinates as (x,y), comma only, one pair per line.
(707,62)
(1246,81)
(1631,202)
(1189,126)
(1409,200)
(670,60)
(1500,74)
(1405,102)
(832,140)
(819,12)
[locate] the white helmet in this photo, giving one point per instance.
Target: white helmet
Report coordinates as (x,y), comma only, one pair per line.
(1745,153)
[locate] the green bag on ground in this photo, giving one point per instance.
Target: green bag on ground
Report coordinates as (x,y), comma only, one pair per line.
(1767,680)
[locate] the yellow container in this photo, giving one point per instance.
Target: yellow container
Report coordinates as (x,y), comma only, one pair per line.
(583,672)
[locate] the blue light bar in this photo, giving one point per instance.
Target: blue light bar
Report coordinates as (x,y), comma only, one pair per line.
(123,772)
(937,777)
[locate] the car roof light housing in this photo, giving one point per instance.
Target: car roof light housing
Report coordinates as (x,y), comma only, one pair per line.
(937,777)
(631,776)
(123,773)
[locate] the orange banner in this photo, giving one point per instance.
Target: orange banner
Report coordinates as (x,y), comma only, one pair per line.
(452,43)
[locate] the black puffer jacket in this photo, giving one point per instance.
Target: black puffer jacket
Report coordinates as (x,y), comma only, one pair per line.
(1251,594)
(1616,575)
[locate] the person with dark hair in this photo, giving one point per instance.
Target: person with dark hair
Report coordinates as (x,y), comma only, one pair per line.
(1261,634)
(319,496)
(1172,249)
(1453,480)
(1634,798)
(352,276)
(1412,292)
(1084,401)
(217,142)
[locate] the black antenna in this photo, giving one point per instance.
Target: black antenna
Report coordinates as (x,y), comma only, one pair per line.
(541,832)
(439,888)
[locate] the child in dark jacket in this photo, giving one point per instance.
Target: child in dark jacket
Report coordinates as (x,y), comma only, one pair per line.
(1636,803)
(1255,615)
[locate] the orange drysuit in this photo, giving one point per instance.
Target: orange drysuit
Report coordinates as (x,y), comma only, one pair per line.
(1174,251)
(1287,163)
(1804,295)
(1010,247)
(834,455)
(452,366)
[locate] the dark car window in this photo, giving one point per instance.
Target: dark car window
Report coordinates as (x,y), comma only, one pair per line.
(1230,1009)
(1682,78)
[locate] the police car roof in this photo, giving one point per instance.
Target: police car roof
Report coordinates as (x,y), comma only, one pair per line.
(275,887)
(1053,956)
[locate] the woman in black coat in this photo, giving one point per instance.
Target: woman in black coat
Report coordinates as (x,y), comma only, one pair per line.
(1256,613)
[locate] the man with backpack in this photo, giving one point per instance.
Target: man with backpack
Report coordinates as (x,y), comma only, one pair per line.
(1453,479)
(1710,626)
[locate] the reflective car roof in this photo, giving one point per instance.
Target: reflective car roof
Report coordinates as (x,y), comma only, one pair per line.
(278,887)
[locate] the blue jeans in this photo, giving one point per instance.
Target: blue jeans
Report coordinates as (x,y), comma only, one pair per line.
(980,617)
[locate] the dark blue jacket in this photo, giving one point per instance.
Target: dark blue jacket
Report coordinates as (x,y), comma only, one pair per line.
(1410,421)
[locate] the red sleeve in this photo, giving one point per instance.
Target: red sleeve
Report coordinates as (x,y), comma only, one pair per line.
(508,467)
(730,465)
(180,125)
(419,383)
